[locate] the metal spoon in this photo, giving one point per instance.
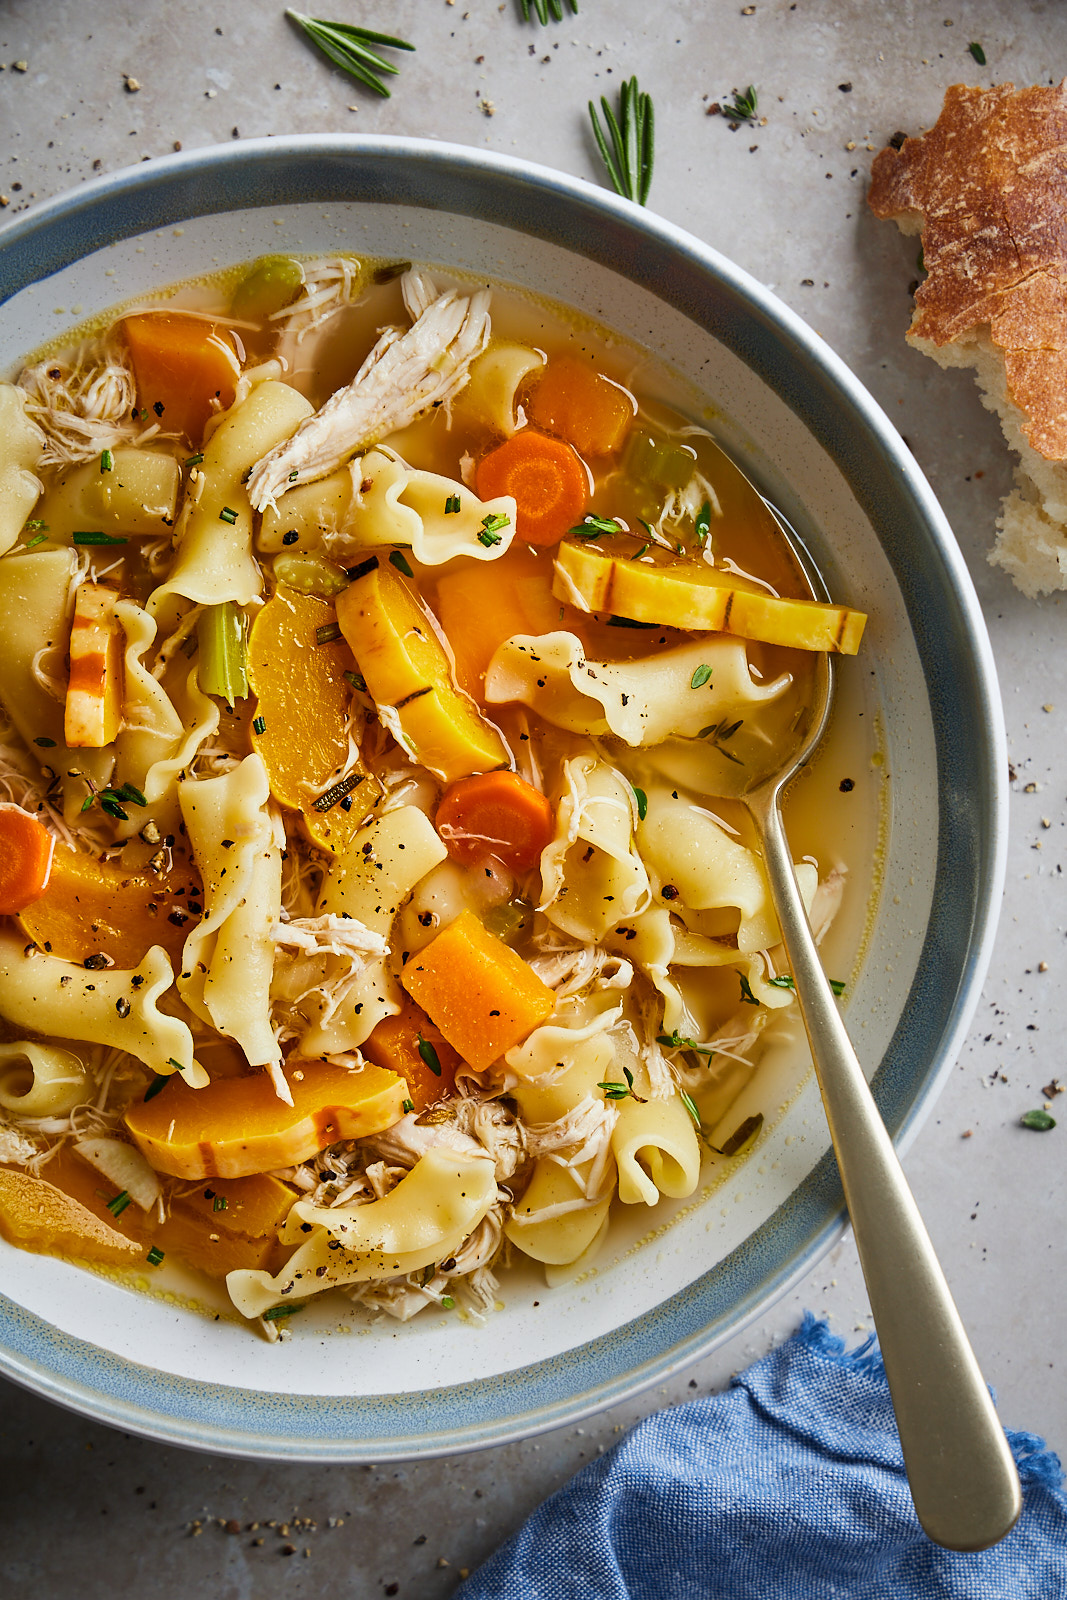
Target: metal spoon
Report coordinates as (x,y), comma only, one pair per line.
(960,1469)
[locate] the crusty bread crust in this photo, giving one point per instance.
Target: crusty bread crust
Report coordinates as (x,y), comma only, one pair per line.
(988,187)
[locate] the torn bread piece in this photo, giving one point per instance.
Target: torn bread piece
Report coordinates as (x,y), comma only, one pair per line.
(987,188)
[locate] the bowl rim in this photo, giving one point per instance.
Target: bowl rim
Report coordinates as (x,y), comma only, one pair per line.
(968,728)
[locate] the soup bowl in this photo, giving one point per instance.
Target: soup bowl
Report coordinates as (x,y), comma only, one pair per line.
(670,1286)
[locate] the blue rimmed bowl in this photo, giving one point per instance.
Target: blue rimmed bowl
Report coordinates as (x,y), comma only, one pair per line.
(669,1288)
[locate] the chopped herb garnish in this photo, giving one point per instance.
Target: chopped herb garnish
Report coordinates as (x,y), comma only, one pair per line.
(35,526)
(451,504)
(746,991)
(489,534)
(273,1313)
(155,1256)
(228,514)
(82,537)
(703,522)
(294,474)
(401,563)
(348,47)
(642,803)
(407,1105)
(329,799)
(447,1302)
(327,633)
(977,52)
(160,1081)
(45,744)
(1040,1121)
(194,461)
(592,527)
(259,724)
(630,156)
(784,981)
(361,569)
(628,622)
(38,538)
(677,1041)
(130,794)
(86,803)
(429,1055)
(113,808)
(118,1205)
(356,680)
(701,676)
(639,553)
(219,1203)
(107,461)
(543,9)
(620,1091)
(690,1106)
(837,985)
(743,1135)
(742,108)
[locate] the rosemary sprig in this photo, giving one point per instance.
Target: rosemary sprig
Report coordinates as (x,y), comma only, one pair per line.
(543,9)
(630,156)
(743,106)
(348,47)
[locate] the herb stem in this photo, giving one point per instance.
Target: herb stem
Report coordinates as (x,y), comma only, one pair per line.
(348,47)
(629,159)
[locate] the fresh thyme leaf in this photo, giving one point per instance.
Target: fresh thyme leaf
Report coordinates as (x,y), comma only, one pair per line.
(677,1041)
(690,1106)
(703,522)
(639,553)
(614,1091)
(1040,1121)
(429,1055)
(742,108)
(400,561)
(783,981)
(629,158)
(743,1135)
(701,676)
(543,9)
(592,526)
(977,52)
(746,991)
(272,1313)
(642,803)
(160,1081)
(348,48)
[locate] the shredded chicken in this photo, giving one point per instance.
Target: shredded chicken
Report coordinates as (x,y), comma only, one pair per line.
(15,1148)
(330,284)
(83,407)
(404,375)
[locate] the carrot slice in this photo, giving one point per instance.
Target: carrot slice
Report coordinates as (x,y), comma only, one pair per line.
(574,401)
(548,479)
(185,370)
(495,814)
(25,859)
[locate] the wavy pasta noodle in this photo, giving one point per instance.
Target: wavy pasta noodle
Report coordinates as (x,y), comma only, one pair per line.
(364,860)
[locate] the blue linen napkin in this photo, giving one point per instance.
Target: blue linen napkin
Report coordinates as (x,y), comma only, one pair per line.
(789,1486)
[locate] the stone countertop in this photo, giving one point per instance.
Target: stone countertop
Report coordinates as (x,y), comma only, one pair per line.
(94,85)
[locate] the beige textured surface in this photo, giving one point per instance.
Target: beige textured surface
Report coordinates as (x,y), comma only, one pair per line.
(93,1514)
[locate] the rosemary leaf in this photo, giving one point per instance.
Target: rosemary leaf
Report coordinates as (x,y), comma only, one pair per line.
(630,156)
(743,106)
(542,9)
(348,47)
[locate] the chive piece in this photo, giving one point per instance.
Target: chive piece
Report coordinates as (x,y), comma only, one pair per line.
(107,461)
(746,991)
(97,538)
(407,1105)
(447,1302)
(703,522)
(38,538)
(35,525)
(327,633)
(219,1203)
(223,665)
(451,504)
(194,461)
(690,1106)
(329,799)
(360,571)
(1040,1121)
(429,1055)
(401,563)
(701,676)
(45,744)
(629,159)
(259,724)
(294,474)
(228,514)
(628,622)
(977,52)
(837,985)
(488,538)
(160,1081)
(357,681)
(118,1205)
(489,533)
(273,1313)
(742,1136)
(348,48)
(175,1064)
(642,803)
(155,1256)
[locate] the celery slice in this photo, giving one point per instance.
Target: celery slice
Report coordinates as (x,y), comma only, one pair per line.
(222,667)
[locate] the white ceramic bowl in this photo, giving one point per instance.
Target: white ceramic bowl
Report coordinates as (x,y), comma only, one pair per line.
(817,444)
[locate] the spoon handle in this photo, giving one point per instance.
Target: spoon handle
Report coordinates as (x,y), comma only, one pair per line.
(961,1473)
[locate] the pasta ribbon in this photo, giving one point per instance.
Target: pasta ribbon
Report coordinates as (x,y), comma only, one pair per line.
(21,448)
(591,874)
(40,1080)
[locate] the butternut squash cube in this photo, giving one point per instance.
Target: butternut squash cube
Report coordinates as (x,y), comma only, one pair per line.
(395,1043)
(301,727)
(36,1215)
(92,907)
(93,713)
(407,671)
(238,1126)
(482,996)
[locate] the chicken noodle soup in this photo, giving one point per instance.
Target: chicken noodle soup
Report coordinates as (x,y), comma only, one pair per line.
(367,669)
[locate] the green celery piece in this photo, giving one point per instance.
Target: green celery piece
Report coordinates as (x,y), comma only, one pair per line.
(222,666)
